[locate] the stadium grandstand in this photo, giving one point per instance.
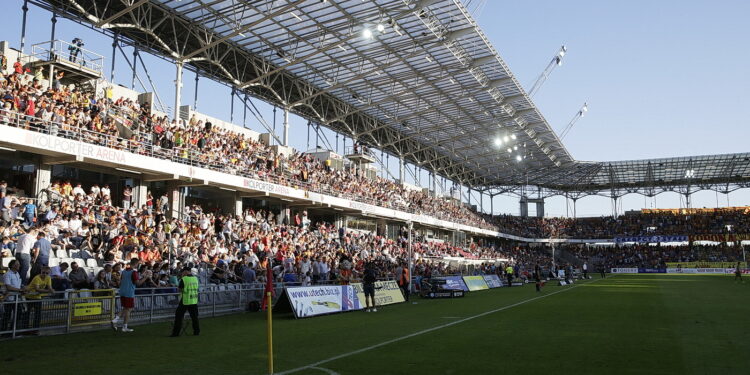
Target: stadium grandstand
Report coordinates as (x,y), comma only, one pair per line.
(94,175)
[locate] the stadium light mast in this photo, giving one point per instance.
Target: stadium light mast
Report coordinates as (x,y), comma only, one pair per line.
(581,112)
(555,62)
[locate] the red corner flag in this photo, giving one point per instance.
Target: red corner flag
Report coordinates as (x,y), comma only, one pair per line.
(269,286)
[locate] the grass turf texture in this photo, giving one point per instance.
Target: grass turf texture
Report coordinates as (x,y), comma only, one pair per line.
(628,324)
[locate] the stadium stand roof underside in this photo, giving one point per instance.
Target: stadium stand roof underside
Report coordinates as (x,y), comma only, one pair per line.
(415,78)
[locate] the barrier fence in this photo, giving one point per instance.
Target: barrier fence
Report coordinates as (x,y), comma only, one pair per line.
(94,309)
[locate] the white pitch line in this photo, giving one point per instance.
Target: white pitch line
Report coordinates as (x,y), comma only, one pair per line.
(422,332)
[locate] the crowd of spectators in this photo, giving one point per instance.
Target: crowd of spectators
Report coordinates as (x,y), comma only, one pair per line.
(646,256)
(125,124)
(664,223)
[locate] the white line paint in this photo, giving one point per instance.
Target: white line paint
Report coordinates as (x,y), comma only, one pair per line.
(428,330)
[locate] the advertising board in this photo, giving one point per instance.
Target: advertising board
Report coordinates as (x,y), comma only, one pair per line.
(475,283)
(386,293)
(307,301)
(493,281)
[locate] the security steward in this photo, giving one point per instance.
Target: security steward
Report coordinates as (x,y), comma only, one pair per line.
(188,301)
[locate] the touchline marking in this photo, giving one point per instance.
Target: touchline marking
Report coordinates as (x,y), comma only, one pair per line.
(428,330)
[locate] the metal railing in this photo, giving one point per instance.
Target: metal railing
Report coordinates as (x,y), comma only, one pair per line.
(93,309)
(143,143)
(62,51)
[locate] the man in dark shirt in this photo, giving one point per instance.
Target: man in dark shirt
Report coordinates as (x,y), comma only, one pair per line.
(368,286)
(40,253)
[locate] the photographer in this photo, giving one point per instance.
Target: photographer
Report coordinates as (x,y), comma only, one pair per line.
(75,48)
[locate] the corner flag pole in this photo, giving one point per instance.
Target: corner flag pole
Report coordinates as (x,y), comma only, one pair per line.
(269,307)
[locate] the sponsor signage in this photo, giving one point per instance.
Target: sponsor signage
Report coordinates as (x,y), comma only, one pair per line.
(475,283)
(87,309)
(652,270)
(705,264)
(651,239)
(386,293)
(720,237)
(445,294)
(307,301)
(493,281)
(454,283)
(624,270)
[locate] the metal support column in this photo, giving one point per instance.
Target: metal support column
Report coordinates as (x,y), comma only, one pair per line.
(401,169)
(244,112)
(492,204)
(52,36)
(286,127)
(177,91)
(114,55)
(135,67)
(231,107)
(25,9)
(195,95)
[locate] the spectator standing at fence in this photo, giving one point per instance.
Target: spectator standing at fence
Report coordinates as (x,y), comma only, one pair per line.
(12,281)
(188,302)
(39,287)
(128,282)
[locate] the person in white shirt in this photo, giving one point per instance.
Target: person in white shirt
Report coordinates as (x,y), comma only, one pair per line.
(105,192)
(75,224)
(23,253)
(12,280)
(78,190)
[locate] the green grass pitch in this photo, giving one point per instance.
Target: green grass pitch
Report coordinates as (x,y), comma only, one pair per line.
(626,324)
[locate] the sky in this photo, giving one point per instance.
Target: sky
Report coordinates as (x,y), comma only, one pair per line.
(661,78)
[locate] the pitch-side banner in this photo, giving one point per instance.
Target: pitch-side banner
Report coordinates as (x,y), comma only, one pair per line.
(624,270)
(705,264)
(309,301)
(475,283)
(386,293)
(454,283)
(493,281)
(651,239)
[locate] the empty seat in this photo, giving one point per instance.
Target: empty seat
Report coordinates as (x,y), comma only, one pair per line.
(54,262)
(6,261)
(62,253)
(67,260)
(85,255)
(80,262)
(91,262)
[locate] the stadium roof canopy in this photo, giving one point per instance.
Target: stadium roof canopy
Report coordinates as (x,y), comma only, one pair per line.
(416,78)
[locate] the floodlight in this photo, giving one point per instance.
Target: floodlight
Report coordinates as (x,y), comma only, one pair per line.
(506,139)
(381,27)
(513,136)
(515,148)
(367,33)
(518,157)
(510,150)
(498,142)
